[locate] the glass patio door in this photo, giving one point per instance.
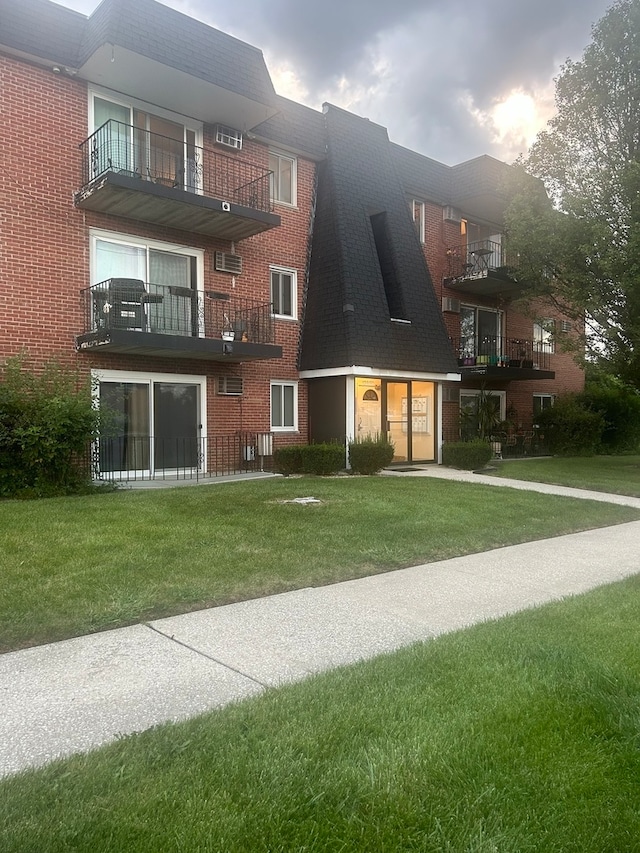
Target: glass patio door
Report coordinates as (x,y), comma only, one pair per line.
(149,427)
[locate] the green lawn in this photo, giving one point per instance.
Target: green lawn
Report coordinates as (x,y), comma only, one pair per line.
(616,474)
(519,735)
(76,565)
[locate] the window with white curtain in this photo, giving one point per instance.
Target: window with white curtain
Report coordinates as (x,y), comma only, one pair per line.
(169,276)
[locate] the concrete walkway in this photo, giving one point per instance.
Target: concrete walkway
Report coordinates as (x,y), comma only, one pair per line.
(77,694)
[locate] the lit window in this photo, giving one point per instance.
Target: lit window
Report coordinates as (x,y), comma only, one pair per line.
(418,218)
(284,292)
(284,406)
(282,180)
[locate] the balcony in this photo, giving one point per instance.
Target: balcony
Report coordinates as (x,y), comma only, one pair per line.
(482,268)
(124,315)
(503,359)
(131,172)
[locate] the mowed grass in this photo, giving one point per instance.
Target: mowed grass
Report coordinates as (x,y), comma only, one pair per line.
(73,566)
(519,735)
(616,474)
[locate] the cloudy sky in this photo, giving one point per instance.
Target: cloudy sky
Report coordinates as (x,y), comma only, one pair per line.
(449,78)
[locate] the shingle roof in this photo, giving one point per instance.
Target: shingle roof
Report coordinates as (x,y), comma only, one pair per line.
(296,127)
(347,321)
(43,29)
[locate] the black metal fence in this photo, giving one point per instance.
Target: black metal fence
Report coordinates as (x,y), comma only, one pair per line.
(125,303)
(175,163)
(475,259)
(129,458)
(499,351)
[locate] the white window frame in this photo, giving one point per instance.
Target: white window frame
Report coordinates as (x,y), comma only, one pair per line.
(544,333)
(476,392)
(96,234)
(418,212)
(132,104)
(148,378)
(274,178)
(294,290)
(283,383)
(550,397)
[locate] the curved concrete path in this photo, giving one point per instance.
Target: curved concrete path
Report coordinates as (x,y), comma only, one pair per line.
(77,694)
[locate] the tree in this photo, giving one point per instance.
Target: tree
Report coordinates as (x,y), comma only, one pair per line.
(579,242)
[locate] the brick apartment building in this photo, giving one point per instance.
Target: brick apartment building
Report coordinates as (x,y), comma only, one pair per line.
(233,269)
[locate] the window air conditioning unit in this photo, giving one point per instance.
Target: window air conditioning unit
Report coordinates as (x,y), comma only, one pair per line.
(450,214)
(229,137)
(450,394)
(224,262)
(230,386)
(565,325)
(450,304)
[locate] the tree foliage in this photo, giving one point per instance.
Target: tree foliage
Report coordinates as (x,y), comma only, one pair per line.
(579,245)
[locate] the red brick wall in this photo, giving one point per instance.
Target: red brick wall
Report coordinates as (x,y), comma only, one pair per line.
(45,249)
(441,236)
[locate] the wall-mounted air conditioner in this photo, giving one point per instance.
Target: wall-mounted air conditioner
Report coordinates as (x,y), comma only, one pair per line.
(565,326)
(450,304)
(451,214)
(228,136)
(230,386)
(224,262)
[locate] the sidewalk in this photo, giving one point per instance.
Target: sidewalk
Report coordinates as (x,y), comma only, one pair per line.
(77,694)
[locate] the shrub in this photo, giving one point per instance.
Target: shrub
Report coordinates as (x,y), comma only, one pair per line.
(370,454)
(620,409)
(288,460)
(323,459)
(468,455)
(46,423)
(320,459)
(569,429)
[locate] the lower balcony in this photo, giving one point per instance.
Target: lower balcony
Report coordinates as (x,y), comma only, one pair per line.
(483,268)
(129,316)
(502,358)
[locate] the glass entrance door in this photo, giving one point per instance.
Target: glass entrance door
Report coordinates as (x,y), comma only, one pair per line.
(398,421)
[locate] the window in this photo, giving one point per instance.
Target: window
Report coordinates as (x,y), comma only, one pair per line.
(544,335)
(284,406)
(147,143)
(149,286)
(541,402)
(284,292)
(418,218)
(153,421)
(479,332)
(282,181)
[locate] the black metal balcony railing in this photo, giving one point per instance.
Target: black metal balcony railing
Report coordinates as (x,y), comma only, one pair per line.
(178,164)
(477,259)
(137,457)
(496,351)
(130,304)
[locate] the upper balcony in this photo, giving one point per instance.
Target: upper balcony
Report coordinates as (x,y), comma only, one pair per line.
(125,315)
(129,171)
(483,268)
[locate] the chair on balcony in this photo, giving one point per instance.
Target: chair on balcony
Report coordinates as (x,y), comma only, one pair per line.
(126,300)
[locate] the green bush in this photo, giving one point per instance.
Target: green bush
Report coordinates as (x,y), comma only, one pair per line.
(468,455)
(323,459)
(370,454)
(620,409)
(46,423)
(288,460)
(319,459)
(569,429)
